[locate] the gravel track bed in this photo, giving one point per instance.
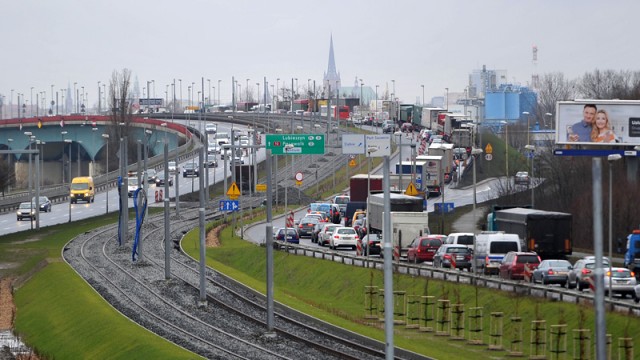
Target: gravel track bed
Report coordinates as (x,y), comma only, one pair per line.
(159,294)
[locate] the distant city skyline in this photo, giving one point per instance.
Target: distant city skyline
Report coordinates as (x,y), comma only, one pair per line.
(409,43)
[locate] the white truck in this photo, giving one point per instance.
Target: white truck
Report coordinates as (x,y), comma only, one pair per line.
(447,122)
(430,117)
(408,220)
(446,151)
(432,173)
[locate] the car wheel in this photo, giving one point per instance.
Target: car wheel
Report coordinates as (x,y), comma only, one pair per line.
(543,281)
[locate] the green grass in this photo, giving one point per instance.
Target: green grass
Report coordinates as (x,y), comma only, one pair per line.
(335,293)
(58,314)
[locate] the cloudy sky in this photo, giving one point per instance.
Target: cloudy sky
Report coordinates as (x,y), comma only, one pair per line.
(415,42)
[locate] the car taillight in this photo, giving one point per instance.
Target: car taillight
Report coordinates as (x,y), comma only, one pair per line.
(300,226)
(550,272)
(447,256)
(336,237)
(586,271)
(633,274)
(486,260)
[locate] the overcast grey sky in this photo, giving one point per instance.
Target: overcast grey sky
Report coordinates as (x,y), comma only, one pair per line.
(419,42)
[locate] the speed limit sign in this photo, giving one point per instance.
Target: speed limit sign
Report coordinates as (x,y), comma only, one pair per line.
(299,176)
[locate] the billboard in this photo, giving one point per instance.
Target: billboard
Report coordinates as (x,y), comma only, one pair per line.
(598,122)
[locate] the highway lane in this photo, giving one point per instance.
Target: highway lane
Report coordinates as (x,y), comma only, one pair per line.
(60,211)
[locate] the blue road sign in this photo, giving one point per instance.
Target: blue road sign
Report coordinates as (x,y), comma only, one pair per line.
(229,205)
(448,207)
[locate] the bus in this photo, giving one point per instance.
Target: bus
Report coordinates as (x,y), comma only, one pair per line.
(341,112)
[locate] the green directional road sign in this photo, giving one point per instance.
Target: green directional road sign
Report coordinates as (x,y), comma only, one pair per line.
(295,144)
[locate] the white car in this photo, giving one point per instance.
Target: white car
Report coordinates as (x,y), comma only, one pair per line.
(210,128)
(173,168)
(343,236)
(624,282)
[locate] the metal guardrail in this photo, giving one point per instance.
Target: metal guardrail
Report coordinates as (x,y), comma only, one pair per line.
(517,287)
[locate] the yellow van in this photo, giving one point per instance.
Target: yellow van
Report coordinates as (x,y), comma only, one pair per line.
(82,188)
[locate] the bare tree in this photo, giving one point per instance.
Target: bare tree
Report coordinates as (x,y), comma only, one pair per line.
(553,88)
(610,84)
(121,101)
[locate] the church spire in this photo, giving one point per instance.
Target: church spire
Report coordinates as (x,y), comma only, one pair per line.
(331,77)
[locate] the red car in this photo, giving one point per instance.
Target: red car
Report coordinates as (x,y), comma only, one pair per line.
(424,247)
(515,264)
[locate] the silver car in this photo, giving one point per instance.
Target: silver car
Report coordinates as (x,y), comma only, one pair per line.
(582,272)
(621,280)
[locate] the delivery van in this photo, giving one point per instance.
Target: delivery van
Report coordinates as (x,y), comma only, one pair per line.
(491,247)
(82,188)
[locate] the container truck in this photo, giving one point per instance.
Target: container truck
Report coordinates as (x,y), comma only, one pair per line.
(446,151)
(430,118)
(359,184)
(447,122)
(433,176)
(408,221)
(548,233)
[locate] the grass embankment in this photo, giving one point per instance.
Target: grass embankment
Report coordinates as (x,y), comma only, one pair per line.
(336,293)
(59,315)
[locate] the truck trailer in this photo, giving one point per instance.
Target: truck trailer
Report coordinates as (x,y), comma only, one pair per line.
(408,221)
(548,233)
(359,183)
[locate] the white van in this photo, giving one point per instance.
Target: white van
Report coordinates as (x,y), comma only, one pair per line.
(491,247)
(465,239)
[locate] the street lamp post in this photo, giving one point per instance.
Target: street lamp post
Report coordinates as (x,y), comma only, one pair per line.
(209,82)
(219,90)
(532,149)
(68,141)
(93,158)
(106,137)
(474,153)
(399,135)
(446,90)
(10,168)
(63,133)
(422,94)
(506,149)
(528,125)
(611,158)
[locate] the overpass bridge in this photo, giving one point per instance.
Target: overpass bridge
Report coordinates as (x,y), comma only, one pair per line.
(80,142)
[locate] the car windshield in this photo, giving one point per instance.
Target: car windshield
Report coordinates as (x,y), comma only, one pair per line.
(465,240)
(457,250)
(330,228)
(41,199)
(558,264)
(527,259)
(133,181)
(79,186)
(341,200)
(172,164)
(25,206)
(503,247)
(346,231)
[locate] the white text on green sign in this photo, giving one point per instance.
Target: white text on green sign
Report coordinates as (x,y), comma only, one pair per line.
(295,144)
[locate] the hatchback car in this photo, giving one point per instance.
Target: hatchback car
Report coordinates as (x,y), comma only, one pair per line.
(306,225)
(453,256)
(151,175)
(44,203)
(621,281)
(324,236)
(521,178)
(551,272)
(211,161)
(423,248)
(292,235)
(26,210)
(190,169)
(343,236)
(371,245)
(172,167)
(582,271)
(160,179)
(516,264)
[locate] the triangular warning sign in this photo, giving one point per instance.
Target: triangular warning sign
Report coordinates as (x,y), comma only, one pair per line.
(352,162)
(233,190)
(411,190)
